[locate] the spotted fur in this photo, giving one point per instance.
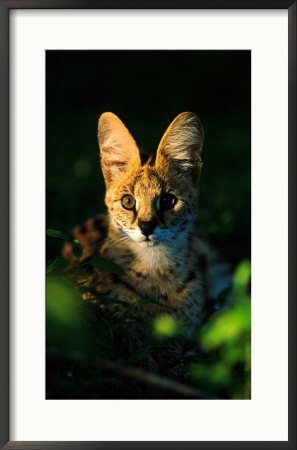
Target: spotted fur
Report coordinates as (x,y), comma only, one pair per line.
(170,264)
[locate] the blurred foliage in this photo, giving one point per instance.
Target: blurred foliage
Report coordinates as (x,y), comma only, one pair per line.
(165,326)
(63,314)
(226,339)
(87,346)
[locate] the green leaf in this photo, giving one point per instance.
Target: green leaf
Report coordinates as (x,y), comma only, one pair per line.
(114,300)
(77,249)
(216,374)
(70,323)
(58,264)
(56,234)
(63,315)
(61,301)
(228,326)
(155,302)
(106,265)
(78,285)
(128,311)
(242,276)
(166,326)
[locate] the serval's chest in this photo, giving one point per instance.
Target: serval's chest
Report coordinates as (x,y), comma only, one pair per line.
(171,277)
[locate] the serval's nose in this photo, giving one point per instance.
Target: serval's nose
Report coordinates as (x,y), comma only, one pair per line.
(147,226)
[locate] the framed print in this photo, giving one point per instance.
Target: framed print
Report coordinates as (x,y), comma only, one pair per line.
(152,217)
(146,353)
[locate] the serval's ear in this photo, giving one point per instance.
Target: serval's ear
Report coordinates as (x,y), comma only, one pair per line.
(180,149)
(118,149)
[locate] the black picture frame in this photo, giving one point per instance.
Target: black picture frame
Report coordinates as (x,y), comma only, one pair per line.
(5,7)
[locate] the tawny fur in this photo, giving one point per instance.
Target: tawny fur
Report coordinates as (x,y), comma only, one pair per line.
(172,266)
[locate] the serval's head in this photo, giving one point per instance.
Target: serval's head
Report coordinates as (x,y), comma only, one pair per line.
(152,199)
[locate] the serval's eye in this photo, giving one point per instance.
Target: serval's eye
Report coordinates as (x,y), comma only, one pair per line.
(167,201)
(128,201)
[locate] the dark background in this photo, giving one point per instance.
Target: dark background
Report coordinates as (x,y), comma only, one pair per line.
(147,89)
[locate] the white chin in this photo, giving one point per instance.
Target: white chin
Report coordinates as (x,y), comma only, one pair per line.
(152,243)
(149,243)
